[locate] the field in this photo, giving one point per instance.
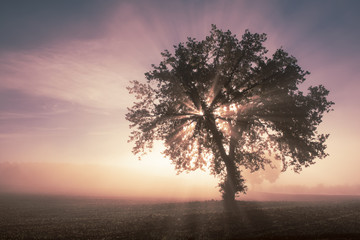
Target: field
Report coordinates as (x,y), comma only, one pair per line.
(49,217)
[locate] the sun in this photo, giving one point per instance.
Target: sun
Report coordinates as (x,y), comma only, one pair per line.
(191,116)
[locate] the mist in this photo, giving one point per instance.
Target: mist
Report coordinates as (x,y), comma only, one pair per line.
(110,180)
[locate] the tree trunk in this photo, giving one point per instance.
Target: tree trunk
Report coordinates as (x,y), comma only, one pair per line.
(233,181)
(230,186)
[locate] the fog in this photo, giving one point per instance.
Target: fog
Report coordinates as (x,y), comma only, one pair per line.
(106,180)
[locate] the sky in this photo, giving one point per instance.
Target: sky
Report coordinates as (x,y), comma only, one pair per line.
(65,65)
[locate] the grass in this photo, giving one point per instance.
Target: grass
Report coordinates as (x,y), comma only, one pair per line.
(49,217)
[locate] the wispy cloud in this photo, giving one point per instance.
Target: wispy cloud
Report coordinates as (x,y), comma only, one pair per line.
(64,69)
(93,72)
(10,115)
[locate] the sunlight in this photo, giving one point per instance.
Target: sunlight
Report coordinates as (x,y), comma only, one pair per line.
(190,105)
(224,116)
(188,130)
(183,131)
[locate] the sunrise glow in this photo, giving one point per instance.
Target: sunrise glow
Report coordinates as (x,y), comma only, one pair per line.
(63,95)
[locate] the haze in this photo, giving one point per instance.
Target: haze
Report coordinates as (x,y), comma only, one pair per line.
(65,65)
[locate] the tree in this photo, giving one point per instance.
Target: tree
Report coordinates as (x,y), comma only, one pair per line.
(224,104)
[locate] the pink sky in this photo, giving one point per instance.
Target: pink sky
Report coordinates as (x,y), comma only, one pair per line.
(63,97)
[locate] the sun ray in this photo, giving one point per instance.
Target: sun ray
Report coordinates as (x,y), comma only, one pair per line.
(213,91)
(190,105)
(182,131)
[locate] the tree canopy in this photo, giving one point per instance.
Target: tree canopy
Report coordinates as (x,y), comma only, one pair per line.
(223,103)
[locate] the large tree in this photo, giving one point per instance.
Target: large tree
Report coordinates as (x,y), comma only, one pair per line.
(225,104)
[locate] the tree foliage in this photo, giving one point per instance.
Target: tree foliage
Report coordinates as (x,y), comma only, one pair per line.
(224,104)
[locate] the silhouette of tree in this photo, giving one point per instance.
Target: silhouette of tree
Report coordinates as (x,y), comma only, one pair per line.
(222,103)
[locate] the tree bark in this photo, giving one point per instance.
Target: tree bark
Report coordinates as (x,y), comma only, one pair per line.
(231,183)
(230,189)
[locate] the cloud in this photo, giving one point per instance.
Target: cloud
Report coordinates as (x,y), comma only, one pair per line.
(18,104)
(64,67)
(94,72)
(61,74)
